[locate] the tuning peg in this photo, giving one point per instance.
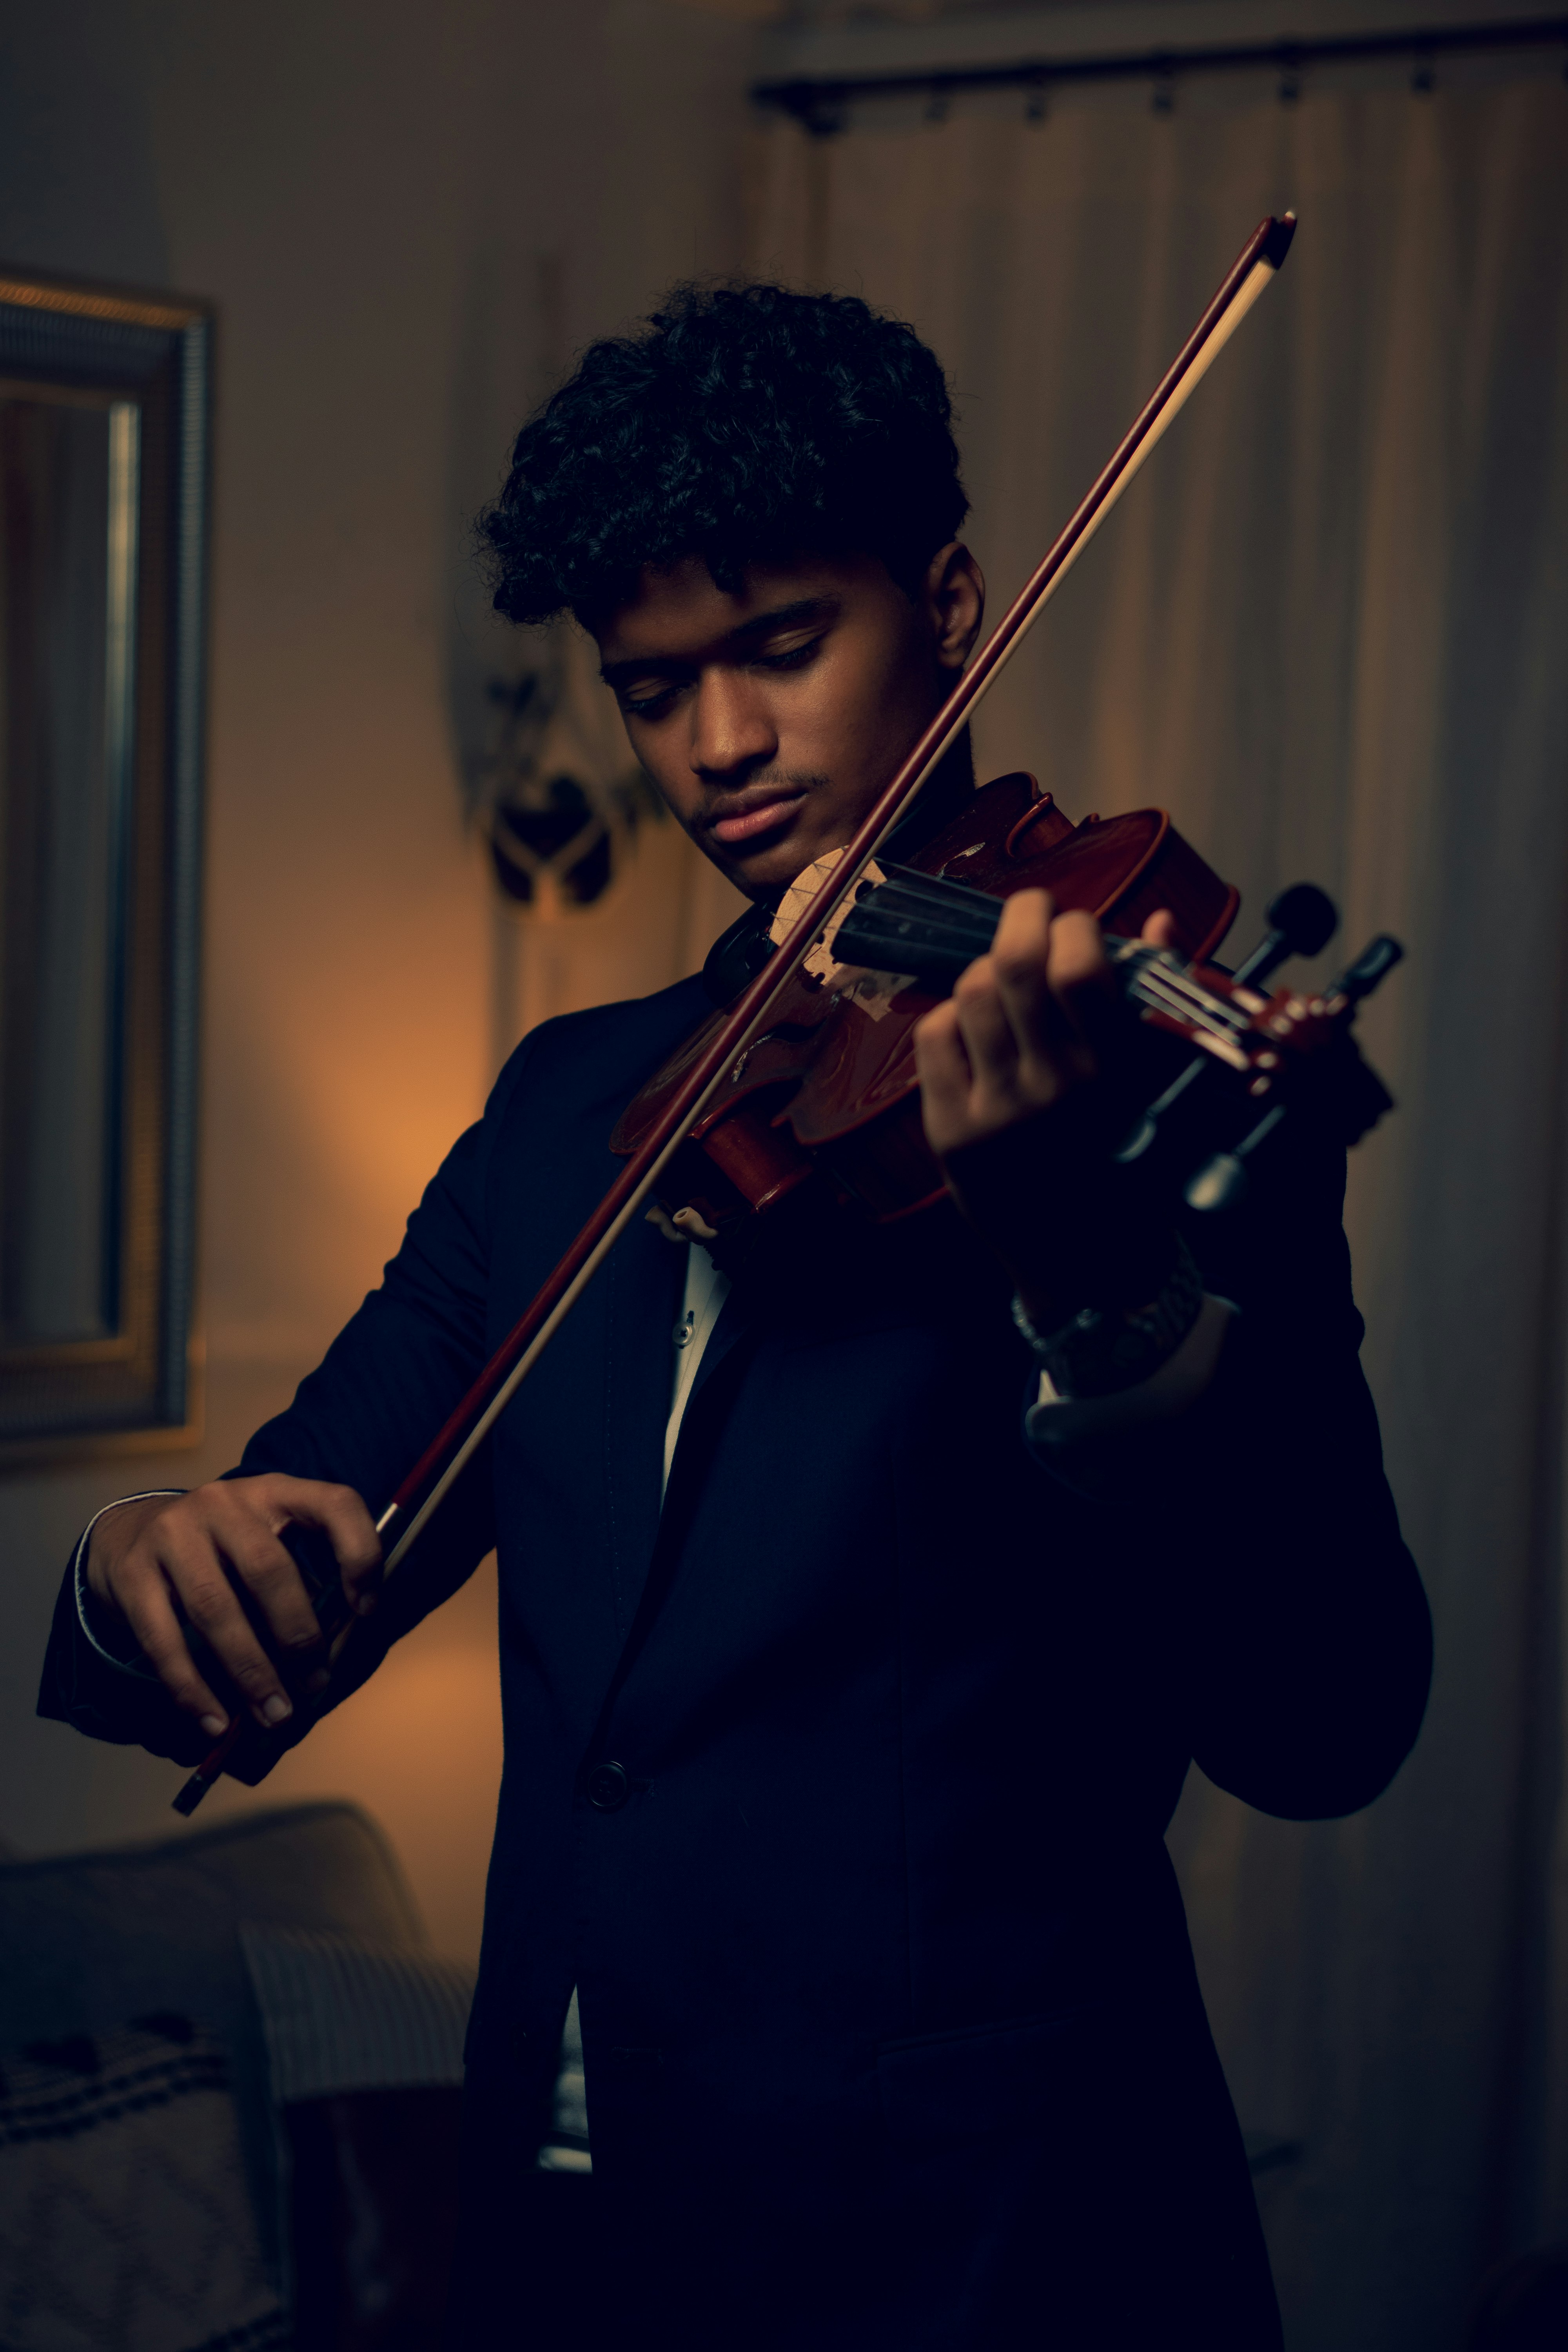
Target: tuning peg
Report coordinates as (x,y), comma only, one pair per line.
(1302,922)
(1140,1137)
(1219,1183)
(1370,970)
(1222,1181)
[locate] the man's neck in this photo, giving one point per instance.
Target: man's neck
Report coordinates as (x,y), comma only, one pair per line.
(951,784)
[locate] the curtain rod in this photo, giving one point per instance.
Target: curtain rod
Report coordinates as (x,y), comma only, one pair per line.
(817,101)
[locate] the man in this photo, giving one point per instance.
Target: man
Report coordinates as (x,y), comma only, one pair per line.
(851,1668)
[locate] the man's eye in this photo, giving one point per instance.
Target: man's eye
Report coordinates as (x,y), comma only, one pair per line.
(795,659)
(648,706)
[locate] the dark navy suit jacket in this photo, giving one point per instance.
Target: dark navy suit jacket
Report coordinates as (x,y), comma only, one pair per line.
(892,2034)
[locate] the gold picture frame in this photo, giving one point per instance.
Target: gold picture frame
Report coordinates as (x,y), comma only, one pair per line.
(105,428)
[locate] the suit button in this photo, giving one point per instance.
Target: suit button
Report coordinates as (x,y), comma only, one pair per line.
(608,1787)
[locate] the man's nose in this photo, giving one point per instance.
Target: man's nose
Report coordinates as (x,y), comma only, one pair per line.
(731,729)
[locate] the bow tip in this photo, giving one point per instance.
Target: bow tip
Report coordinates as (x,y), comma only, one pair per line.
(1277,241)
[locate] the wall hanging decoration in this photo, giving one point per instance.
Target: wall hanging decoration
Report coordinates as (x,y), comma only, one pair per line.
(555,790)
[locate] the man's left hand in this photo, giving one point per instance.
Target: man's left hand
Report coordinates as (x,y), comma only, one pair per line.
(1020,1075)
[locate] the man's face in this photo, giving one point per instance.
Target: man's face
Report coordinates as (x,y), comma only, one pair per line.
(771,718)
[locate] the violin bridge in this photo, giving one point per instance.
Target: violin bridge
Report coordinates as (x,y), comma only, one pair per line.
(871,991)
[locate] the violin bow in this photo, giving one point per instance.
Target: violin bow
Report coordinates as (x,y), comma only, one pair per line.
(430,1482)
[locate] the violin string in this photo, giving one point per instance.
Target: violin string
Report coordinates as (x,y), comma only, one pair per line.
(937,888)
(890,913)
(1155,985)
(1201,999)
(954,922)
(1155,974)
(1161,1001)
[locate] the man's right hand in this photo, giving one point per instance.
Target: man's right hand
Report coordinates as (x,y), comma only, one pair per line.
(155,1561)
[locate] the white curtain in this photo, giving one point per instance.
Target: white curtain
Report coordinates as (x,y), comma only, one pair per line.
(1329,630)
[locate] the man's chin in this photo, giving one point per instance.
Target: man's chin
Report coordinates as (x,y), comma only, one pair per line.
(761,873)
(769,868)
(768,873)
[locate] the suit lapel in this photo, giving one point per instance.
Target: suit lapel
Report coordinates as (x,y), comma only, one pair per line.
(733,1324)
(646,1278)
(700,1430)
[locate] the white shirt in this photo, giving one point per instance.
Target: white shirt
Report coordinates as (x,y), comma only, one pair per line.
(706,1291)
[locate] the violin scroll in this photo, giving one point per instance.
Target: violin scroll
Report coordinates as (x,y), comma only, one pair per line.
(1279,1048)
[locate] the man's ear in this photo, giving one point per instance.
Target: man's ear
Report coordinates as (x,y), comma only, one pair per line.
(953,597)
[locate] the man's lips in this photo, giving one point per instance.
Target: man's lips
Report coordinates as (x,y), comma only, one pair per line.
(748,816)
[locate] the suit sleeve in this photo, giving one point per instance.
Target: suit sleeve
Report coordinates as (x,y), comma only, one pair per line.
(1277,1579)
(387,1385)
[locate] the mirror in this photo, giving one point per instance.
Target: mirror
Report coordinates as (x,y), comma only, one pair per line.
(103,432)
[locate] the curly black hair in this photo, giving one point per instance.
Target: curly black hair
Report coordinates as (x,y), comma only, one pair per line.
(745,422)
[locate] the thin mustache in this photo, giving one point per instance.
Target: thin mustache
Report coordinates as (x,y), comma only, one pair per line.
(757,789)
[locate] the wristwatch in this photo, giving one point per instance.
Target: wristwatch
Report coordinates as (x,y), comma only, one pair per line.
(1100,1351)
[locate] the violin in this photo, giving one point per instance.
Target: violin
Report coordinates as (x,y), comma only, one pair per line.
(809,1068)
(829,1089)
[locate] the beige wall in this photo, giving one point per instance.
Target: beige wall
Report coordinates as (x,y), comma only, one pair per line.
(406,214)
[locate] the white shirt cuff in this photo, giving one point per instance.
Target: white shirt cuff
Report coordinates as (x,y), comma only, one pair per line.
(84,1604)
(1057,1420)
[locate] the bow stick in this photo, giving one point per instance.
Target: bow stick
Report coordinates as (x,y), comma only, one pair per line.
(425,1487)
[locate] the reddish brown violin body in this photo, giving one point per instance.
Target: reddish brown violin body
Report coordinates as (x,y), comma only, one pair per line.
(831,1085)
